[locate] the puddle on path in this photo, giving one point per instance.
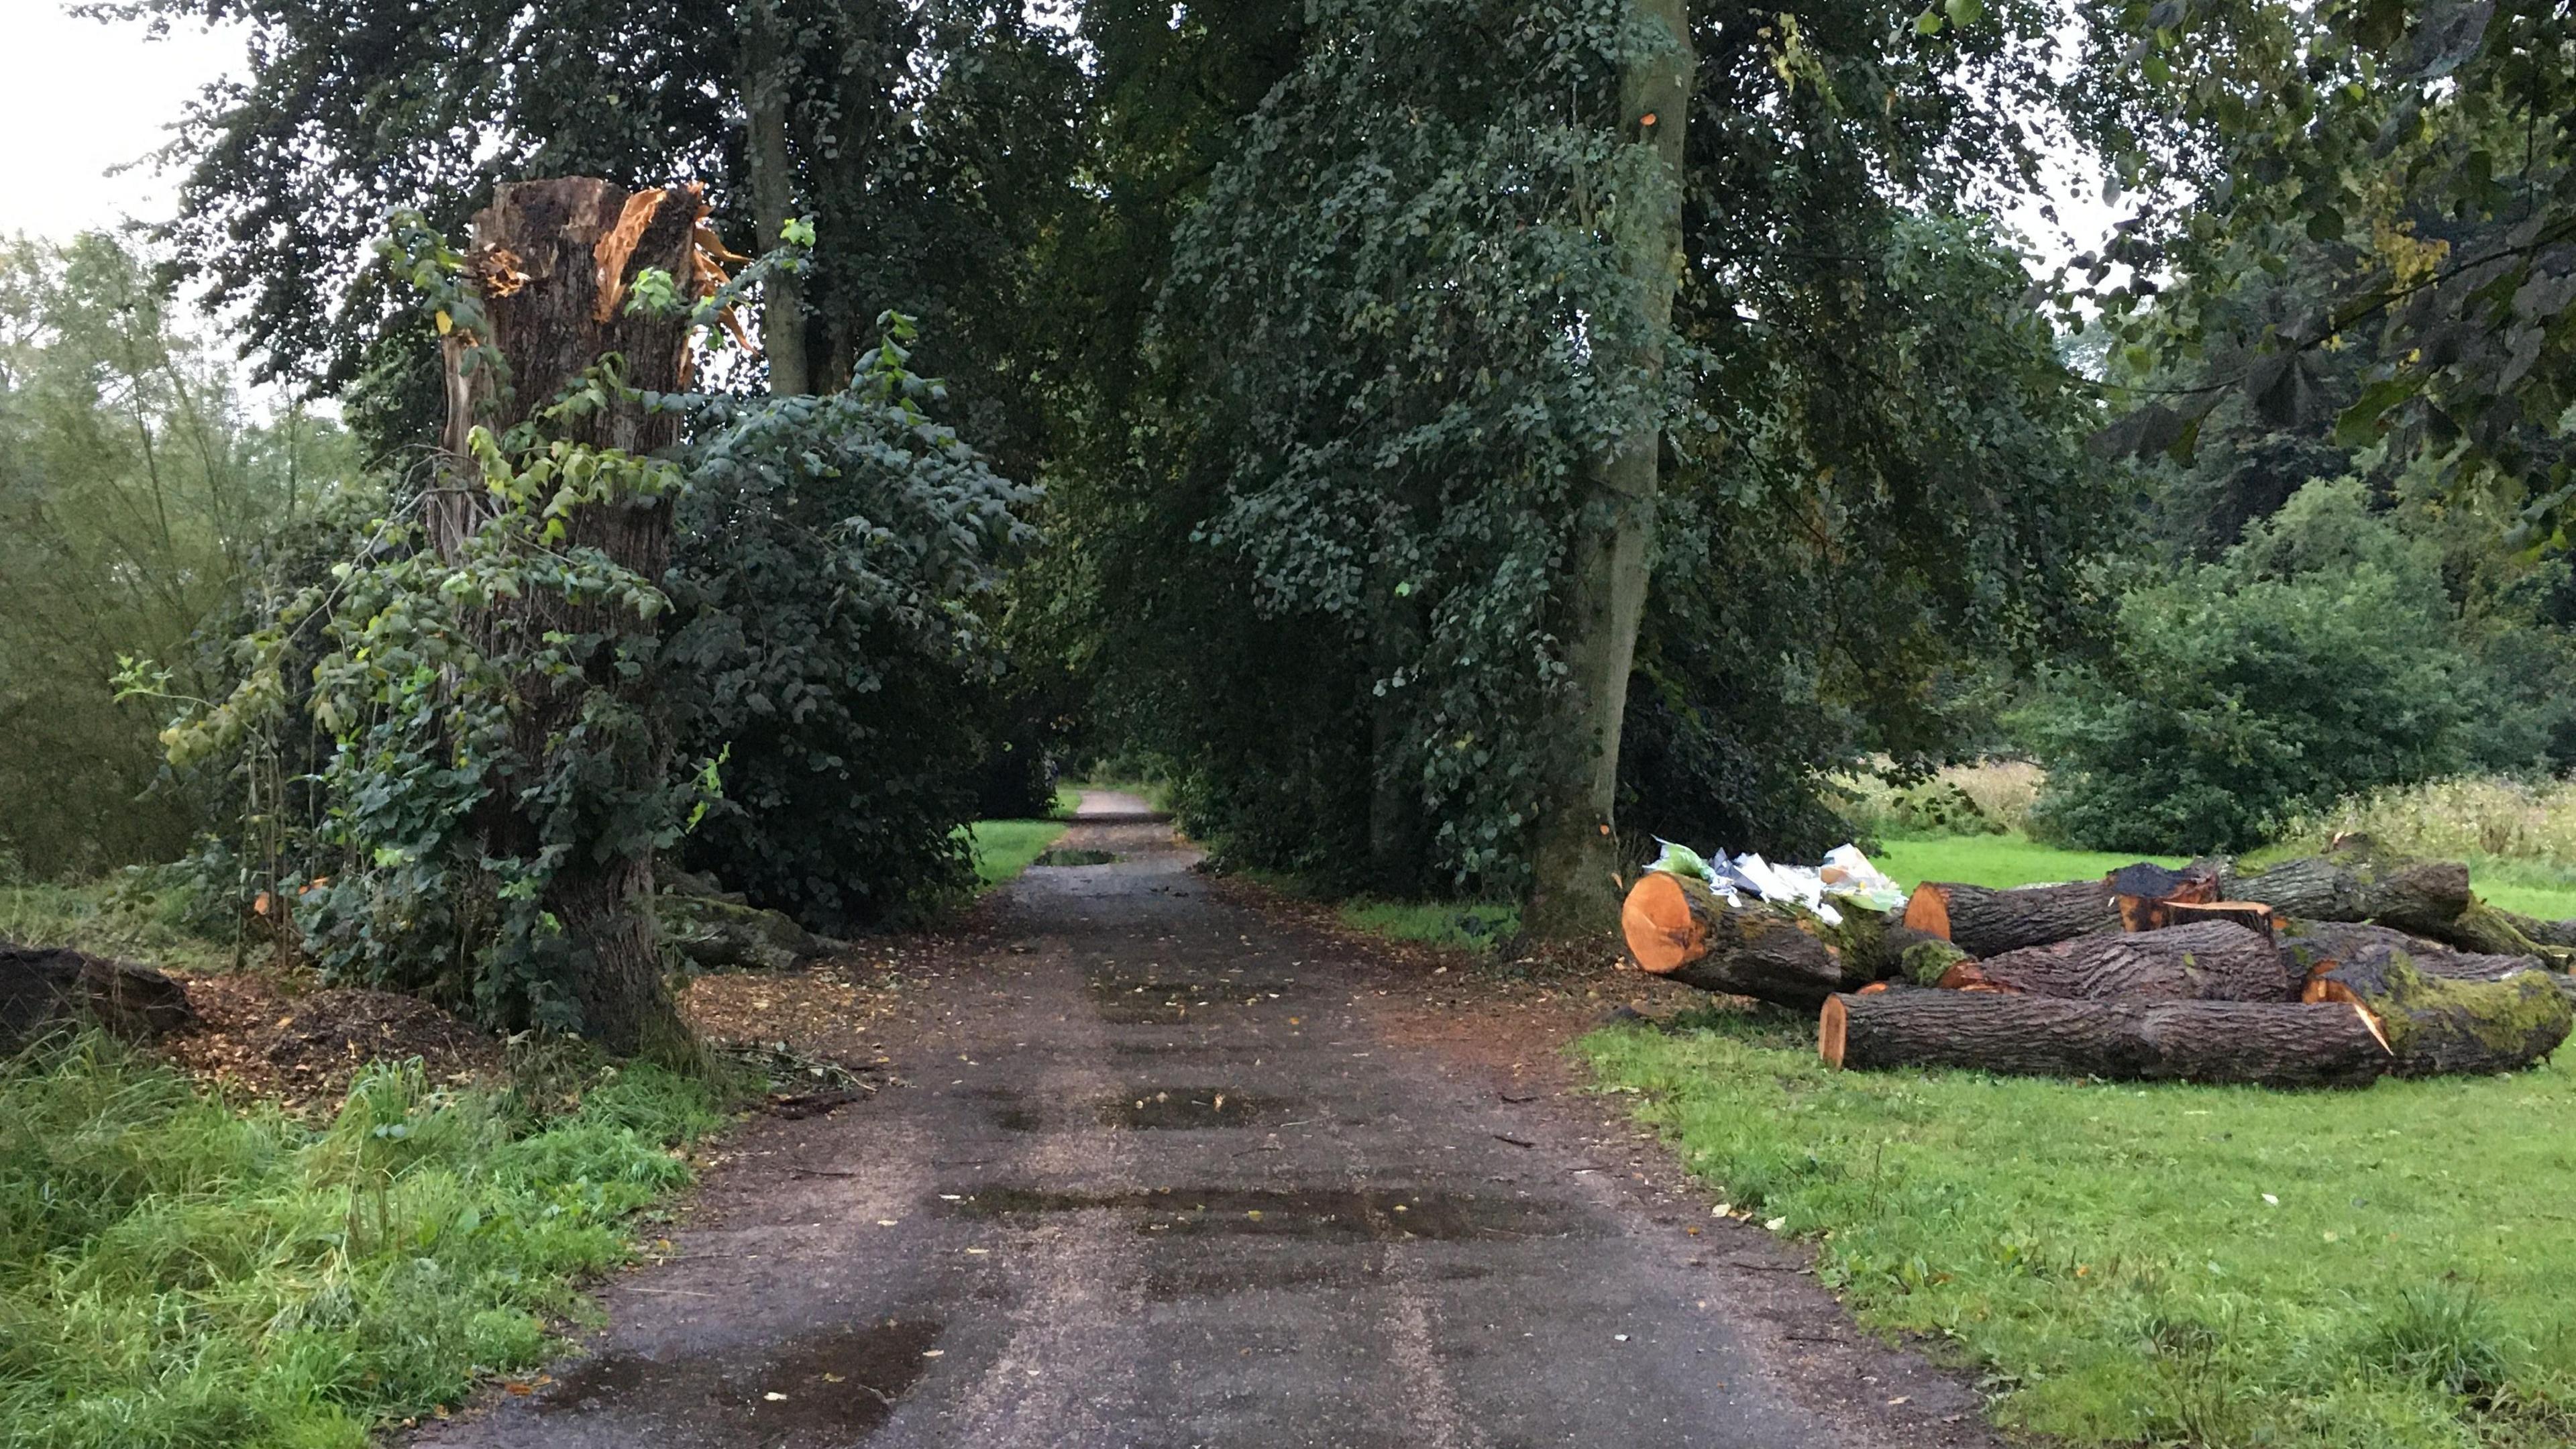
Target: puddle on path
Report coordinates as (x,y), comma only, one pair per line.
(1075,857)
(1319,1215)
(833,1387)
(1149,1109)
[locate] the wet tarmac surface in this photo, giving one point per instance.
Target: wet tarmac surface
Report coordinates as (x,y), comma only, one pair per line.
(1165,1177)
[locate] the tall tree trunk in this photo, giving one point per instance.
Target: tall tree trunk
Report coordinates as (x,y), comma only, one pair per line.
(1574,888)
(773,193)
(560,242)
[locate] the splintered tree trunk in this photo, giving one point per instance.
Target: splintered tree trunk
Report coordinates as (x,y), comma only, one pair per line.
(2207,961)
(1679,929)
(555,257)
(1574,888)
(2273,1044)
(2436,1025)
(1985,922)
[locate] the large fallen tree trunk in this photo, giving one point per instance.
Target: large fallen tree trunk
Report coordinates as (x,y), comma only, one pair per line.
(1986,922)
(2354,882)
(2205,961)
(1679,929)
(2311,948)
(2437,1024)
(2272,1044)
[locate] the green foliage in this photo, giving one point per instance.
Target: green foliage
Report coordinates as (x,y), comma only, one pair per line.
(1462,926)
(932,145)
(2216,1266)
(836,563)
(1323,569)
(135,497)
(174,1272)
(2421,147)
(2318,658)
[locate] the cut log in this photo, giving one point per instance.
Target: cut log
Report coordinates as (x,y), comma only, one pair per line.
(2142,891)
(44,988)
(2150,915)
(2561,934)
(1679,929)
(2437,1025)
(1984,922)
(2316,947)
(2272,1044)
(2354,881)
(2205,961)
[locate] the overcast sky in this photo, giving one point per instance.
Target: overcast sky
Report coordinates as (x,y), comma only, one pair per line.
(84,97)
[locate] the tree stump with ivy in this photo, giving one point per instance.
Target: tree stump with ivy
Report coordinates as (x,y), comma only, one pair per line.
(551,361)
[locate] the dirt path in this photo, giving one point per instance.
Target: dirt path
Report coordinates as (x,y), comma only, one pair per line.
(1168,1173)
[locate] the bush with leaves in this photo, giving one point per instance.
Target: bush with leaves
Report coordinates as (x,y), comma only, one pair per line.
(2318,658)
(835,564)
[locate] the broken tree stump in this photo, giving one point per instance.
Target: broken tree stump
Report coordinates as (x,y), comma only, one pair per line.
(2271,1044)
(2204,961)
(46,988)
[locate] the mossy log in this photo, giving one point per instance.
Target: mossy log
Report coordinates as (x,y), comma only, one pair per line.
(2272,1044)
(1986,922)
(1679,929)
(2355,882)
(716,934)
(2437,1025)
(2315,947)
(2204,961)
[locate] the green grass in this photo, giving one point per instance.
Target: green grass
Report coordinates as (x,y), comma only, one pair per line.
(2531,887)
(176,1273)
(1004,848)
(1462,924)
(1997,860)
(122,916)
(2217,1266)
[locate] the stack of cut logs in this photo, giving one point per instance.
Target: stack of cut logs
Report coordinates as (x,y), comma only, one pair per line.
(2329,971)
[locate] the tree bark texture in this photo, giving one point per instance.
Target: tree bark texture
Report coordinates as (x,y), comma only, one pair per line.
(557,257)
(1574,887)
(2353,882)
(1679,929)
(2437,1025)
(2311,948)
(2205,961)
(1984,922)
(2273,1044)
(765,82)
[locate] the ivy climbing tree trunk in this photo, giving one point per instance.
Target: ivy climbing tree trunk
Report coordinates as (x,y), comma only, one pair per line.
(773,192)
(591,745)
(1574,887)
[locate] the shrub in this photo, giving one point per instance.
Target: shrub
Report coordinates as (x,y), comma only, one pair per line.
(2317,658)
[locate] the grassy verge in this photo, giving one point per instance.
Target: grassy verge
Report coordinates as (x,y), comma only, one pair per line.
(2536,888)
(174,1272)
(120,916)
(2206,1265)
(1996,860)
(1004,848)
(1465,925)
